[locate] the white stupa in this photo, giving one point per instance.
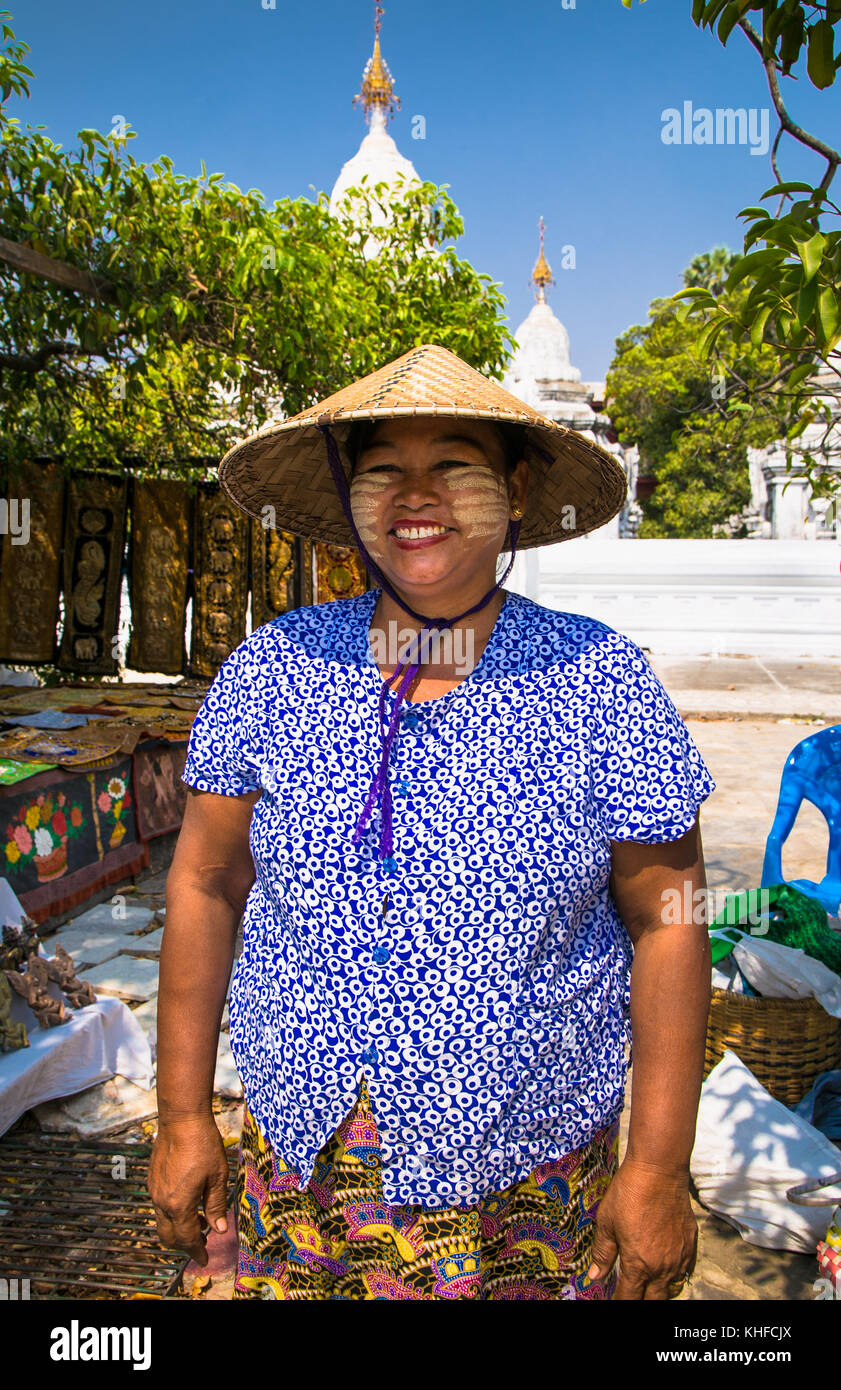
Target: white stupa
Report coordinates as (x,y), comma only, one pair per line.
(541,374)
(378,160)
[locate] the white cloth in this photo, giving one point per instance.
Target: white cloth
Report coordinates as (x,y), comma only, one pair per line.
(11,912)
(749,1150)
(96,1043)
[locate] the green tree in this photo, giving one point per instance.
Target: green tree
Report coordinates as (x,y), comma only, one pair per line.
(194,309)
(790,269)
(667,398)
(711,270)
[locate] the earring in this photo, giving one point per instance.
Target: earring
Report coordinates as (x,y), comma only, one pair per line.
(516,512)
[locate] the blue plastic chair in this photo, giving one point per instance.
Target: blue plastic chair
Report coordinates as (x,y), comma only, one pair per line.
(812,773)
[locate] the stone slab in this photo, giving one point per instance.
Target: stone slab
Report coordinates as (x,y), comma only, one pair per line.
(126,977)
(147,945)
(113,917)
(99,1111)
(155,883)
(87,949)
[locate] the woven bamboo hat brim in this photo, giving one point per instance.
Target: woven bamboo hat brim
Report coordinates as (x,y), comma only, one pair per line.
(285,465)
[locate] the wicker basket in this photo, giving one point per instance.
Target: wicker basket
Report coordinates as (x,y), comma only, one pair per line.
(786,1043)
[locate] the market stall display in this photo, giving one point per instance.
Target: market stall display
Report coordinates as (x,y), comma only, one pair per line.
(89,774)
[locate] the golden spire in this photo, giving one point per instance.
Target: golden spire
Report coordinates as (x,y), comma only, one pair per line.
(377,86)
(541,276)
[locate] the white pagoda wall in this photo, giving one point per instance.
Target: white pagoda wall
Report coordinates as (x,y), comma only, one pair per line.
(697,597)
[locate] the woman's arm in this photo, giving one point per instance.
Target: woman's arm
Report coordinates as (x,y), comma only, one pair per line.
(646,1215)
(207,886)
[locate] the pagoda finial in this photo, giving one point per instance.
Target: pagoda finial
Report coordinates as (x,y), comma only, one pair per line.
(377,87)
(541,276)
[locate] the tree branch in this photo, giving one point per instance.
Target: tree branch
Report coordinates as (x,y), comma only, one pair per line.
(31,262)
(34,361)
(832,156)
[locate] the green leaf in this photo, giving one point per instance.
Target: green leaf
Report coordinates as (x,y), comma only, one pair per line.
(806,302)
(800,374)
(791,187)
(734,12)
(748,265)
(758,326)
(820,63)
(828,314)
(758,232)
(774,18)
(811,254)
(793,34)
(713,9)
(707,337)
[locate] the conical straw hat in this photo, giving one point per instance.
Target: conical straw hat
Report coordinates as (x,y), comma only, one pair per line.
(574,485)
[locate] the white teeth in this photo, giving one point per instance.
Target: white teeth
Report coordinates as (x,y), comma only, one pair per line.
(416,533)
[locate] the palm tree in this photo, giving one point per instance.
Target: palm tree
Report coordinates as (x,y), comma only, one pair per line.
(710,270)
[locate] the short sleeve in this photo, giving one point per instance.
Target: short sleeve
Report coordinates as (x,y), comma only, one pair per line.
(218,758)
(648,776)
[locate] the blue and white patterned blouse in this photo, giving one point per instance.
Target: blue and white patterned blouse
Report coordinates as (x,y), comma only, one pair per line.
(489,1007)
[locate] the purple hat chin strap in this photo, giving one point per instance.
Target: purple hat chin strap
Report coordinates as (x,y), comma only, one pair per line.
(406,671)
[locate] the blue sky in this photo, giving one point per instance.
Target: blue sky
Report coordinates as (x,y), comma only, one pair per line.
(530,110)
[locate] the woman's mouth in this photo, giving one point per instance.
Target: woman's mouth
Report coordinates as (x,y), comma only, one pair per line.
(414,537)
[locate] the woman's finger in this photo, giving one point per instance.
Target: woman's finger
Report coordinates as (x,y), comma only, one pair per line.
(631,1283)
(216,1201)
(661,1289)
(164,1227)
(182,1231)
(605,1252)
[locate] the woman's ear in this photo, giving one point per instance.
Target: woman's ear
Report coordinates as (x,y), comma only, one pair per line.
(518,486)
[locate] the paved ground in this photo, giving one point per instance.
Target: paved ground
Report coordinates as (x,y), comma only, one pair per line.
(746,760)
(748,685)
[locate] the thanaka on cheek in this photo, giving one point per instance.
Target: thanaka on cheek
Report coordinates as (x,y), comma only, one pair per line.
(480,504)
(365,498)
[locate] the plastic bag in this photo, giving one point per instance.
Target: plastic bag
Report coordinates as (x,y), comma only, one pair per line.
(781,972)
(749,1151)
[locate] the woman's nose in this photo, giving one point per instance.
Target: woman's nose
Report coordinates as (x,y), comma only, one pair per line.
(416,490)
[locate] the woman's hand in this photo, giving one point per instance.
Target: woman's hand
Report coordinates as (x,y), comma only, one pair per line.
(188,1171)
(645,1218)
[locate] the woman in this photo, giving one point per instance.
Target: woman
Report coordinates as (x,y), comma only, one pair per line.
(432,1006)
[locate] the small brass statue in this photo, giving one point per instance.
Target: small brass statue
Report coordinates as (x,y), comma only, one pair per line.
(62,972)
(33,989)
(12,1035)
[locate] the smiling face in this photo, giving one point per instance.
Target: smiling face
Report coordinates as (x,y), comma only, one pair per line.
(431,499)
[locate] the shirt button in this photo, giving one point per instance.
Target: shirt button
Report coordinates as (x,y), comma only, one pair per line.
(369,1055)
(381,954)
(402,787)
(410,719)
